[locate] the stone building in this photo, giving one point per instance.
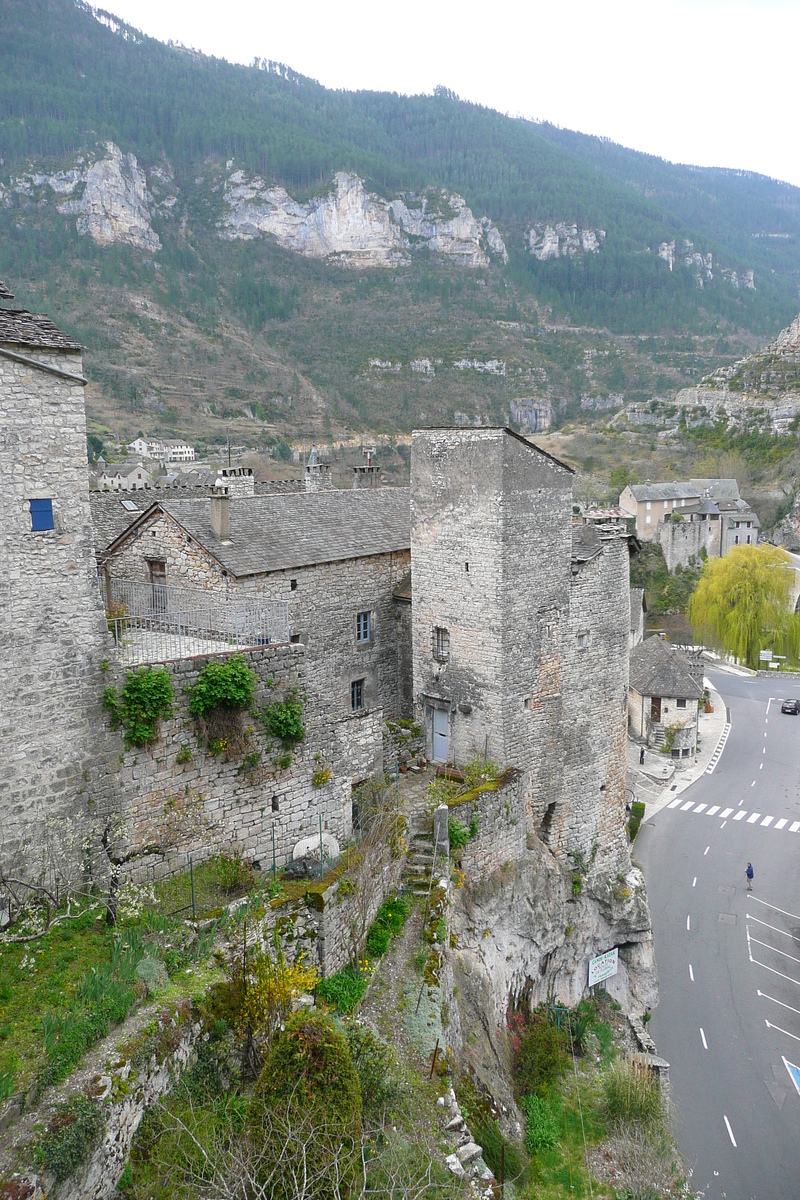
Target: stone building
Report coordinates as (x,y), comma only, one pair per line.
(663,699)
(335,556)
(520,627)
(701,517)
(52,626)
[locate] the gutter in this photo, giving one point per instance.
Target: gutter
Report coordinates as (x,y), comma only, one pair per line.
(32,362)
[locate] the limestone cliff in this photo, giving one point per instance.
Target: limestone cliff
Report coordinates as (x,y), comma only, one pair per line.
(359,227)
(765,384)
(561,240)
(701,263)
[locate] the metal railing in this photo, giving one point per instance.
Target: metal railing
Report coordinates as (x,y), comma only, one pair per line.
(154,622)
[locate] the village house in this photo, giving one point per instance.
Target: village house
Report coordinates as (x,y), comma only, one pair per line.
(703,517)
(127,477)
(666,687)
(163,450)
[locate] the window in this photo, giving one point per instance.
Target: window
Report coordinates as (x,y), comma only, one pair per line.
(292,585)
(41,515)
(527,703)
(363,627)
(441,644)
(680,703)
(466,566)
(748,539)
(648,506)
(129,506)
(647,519)
(275,804)
(294,638)
(583,641)
(357,695)
(736,540)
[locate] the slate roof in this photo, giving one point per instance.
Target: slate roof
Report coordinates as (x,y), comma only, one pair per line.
(110,518)
(665,491)
(301,529)
(717,489)
(586,544)
(21,328)
(658,669)
(638,603)
(5,294)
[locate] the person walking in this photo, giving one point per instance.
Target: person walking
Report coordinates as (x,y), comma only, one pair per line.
(749,873)
(641,757)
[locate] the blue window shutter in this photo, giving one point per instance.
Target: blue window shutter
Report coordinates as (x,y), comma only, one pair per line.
(41,515)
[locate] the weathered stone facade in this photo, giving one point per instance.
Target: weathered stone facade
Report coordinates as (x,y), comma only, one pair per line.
(52,628)
(520,645)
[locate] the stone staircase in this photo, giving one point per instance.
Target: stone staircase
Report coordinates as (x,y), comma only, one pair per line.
(419,837)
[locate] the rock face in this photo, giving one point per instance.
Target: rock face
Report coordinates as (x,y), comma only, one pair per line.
(562,240)
(359,227)
(767,384)
(532,415)
(702,264)
(115,205)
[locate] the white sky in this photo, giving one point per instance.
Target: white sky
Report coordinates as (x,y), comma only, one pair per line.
(711,82)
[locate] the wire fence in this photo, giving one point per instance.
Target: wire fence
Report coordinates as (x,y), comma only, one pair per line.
(155,622)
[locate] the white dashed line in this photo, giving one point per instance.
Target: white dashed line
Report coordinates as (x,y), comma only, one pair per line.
(767,820)
(724,823)
(688,923)
(705,852)
(674,803)
(795,825)
(711,811)
(753,784)
(688,804)
(703,1036)
(694,882)
(764,996)
(730,1131)
(700,808)
(761,766)
(769,1025)
(691,973)
(780,824)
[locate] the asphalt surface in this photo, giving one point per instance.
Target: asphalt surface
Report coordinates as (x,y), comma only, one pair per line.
(728,1018)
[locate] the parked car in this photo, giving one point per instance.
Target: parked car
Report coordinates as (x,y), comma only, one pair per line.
(791,706)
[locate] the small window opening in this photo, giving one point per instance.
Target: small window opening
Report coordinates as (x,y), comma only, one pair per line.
(41,515)
(294,638)
(527,704)
(583,641)
(441,644)
(547,822)
(292,585)
(680,703)
(466,566)
(275,804)
(357,695)
(363,627)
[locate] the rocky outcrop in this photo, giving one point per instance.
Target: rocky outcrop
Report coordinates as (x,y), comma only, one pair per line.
(115,204)
(531,415)
(357,226)
(702,264)
(766,384)
(561,240)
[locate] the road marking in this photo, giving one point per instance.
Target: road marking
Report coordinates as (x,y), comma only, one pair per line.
(774,928)
(765,735)
(772,971)
(726,812)
(739,815)
(688,804)
(764,751)
(795,825)
(688,925)
(694,882)
(780,824)
(775,908)
(761,766)
(751,820)
(753,784)
(703,1036)
(705,852)
(770,702)
(713,810)
(691,973)
(700,808)
(794,1072)
(717,755)
(741,802)
(767,820)
(674,803)
(730,1131)
(724,823)
(769,1025)
(764,996)
(775,950)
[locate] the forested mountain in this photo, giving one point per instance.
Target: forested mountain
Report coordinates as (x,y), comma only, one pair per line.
(567,230)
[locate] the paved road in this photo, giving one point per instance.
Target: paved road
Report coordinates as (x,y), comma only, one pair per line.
(729,961)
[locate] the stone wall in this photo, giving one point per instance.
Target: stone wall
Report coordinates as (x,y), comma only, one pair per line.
(682,541)
(53,633)
(501,829)
(211,803)
(323,603)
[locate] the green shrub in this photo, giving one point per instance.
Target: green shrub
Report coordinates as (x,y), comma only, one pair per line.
(146,699)
(378,940)
(632,1096)
(389,920)
(344,989)
(284,719)
(152,973)
(374,1061)
(310,1062)
(225,685)
(542,1131)
(71,1136)
(539,1052)
(233,872)
(6,1085)
(457,834)
(636,817)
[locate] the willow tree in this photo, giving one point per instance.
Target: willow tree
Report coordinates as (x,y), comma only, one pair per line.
(743,604)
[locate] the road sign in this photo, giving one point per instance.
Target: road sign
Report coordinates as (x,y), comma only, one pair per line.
(765,655)
(603,967)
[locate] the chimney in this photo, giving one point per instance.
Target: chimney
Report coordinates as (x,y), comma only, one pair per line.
(221,515)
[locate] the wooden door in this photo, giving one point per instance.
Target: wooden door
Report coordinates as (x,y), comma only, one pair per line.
(655,709)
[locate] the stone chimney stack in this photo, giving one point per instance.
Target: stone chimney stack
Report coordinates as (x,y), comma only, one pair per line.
(220,504)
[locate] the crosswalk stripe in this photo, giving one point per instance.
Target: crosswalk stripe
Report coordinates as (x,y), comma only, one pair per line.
(688,804)
(780,824)
(726,812)
(767,820)
(700,807)
(795,825)
(674,803)
(753,818)
(714,809)
(740,815)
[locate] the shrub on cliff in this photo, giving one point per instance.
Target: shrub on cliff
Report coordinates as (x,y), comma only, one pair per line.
(539,1050)
(146,699)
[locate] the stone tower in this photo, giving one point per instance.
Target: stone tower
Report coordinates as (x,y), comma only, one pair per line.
(52,627)
(520,633)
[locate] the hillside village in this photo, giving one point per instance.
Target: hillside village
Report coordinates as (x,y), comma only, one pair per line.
(460,628)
